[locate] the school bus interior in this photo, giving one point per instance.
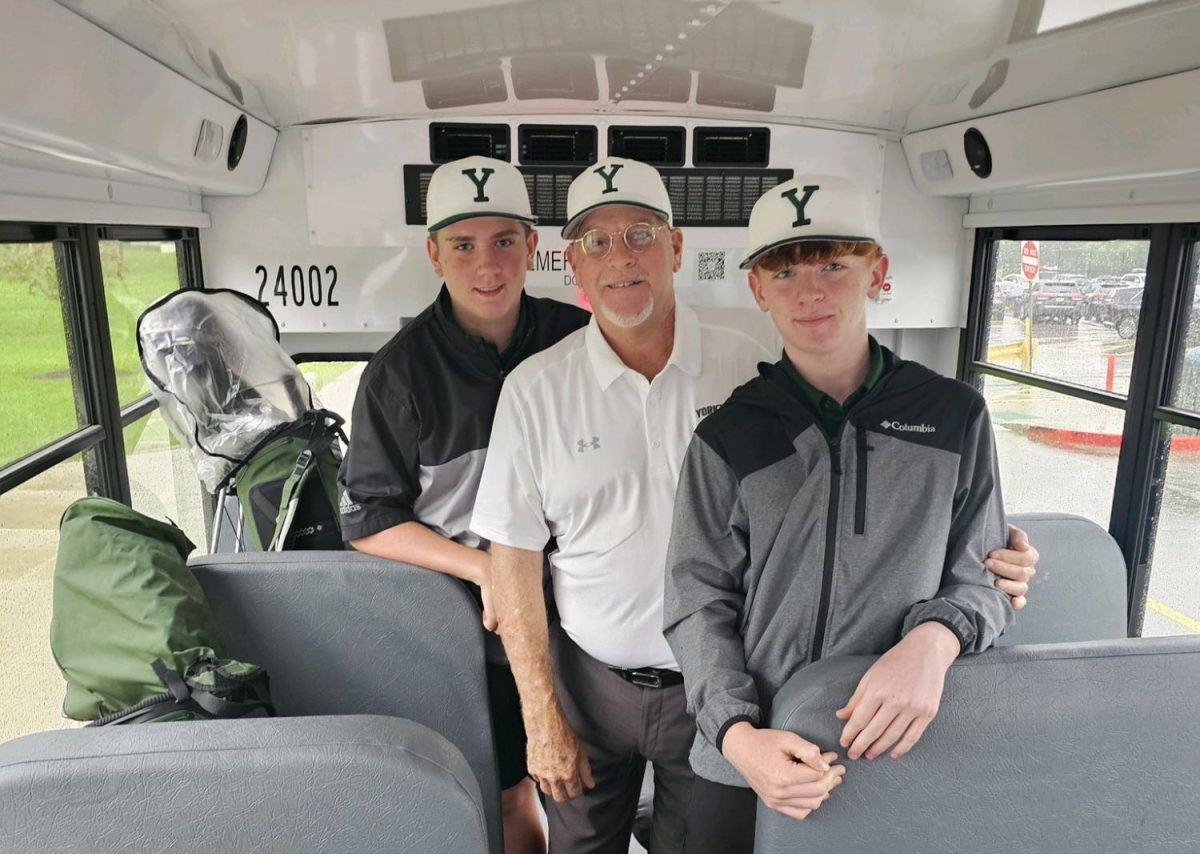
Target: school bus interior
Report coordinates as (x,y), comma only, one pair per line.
(281,148)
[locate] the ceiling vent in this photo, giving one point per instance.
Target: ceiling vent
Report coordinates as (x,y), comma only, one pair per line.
(557,145)
(658,146)
(568,76)
(731,147)
(451,141)
(485,86)
(717,90)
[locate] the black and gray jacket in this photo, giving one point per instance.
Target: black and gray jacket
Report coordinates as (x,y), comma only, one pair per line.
(423,416)
(788,545)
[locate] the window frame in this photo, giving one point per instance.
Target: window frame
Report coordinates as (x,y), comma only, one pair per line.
(1136,493)
(101,440)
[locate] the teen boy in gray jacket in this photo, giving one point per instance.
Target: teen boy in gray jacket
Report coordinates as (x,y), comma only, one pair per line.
(842,502)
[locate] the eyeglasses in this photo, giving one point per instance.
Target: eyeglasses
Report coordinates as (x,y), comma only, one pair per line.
(638,237)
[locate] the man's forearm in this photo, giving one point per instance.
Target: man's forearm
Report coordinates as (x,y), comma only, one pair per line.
(412,542)
(521,608)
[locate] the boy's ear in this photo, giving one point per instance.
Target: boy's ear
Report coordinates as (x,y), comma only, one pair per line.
(531,245)
(431,249)
(755,285)
(879,273)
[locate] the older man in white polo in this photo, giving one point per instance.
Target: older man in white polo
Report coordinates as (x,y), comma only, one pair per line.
(586,448)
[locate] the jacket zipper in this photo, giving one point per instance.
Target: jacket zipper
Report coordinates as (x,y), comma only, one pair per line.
(831,527)
(860,500)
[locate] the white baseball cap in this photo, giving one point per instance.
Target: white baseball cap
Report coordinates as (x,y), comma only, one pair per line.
(476,186)
(615,181)
(809,208)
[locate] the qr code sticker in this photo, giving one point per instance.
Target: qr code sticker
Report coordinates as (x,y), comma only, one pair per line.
(710,266)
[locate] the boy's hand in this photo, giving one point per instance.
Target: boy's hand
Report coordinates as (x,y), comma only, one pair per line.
(490,621)
(789,774)
(1014,567)
(897,698)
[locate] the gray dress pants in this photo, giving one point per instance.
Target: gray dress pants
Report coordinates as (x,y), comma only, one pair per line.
(623,726)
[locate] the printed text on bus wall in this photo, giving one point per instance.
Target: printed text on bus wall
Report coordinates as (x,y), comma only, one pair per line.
(299,285)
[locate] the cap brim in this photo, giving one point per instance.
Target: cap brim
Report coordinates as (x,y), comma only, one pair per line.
(569,229)
(755,254)
(450,220)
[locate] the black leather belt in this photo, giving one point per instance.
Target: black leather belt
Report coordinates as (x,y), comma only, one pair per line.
(649,677)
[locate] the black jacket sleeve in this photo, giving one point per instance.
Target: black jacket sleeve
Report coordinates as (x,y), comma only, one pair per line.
(378,481)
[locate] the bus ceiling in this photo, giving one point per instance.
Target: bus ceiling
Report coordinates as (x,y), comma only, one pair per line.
(161,92)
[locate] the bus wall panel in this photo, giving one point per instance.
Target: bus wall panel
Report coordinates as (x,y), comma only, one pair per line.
(331,213)
(96,100)
(1143,131)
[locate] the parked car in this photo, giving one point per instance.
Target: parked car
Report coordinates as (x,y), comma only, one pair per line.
(1098,297)
(1124,309)
(1053,300)
(1013,293)
(998,303)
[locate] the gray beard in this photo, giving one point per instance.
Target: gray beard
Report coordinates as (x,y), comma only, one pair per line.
(628,321)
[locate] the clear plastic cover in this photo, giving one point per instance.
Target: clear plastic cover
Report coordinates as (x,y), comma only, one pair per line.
(221,377)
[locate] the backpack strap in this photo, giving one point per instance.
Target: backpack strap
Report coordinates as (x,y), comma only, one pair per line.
(293,487)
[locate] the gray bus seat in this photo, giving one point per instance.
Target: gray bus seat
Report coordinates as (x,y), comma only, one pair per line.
(269,785)
(1079,592)
(344,633)
(1087,748)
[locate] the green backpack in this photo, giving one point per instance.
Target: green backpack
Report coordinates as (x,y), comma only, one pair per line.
(132,631)
(287,487)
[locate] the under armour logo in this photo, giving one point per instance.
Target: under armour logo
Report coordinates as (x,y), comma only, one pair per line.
(609,176)
(584,444)
(799,204)
(479,182)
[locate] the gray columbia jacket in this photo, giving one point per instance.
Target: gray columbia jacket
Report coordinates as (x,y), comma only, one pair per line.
(789,545)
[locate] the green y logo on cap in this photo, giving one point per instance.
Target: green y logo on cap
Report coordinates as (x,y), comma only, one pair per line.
(799,204)
(479,183)
(608,177)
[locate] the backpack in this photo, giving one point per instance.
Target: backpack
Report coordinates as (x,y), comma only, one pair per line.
(234,397)
(132,631)
(287,488)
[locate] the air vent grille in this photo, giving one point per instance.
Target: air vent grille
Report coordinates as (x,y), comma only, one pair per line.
(731,147)
(451,141)
(699,197)
(658,146)
(716,197)
(557,145)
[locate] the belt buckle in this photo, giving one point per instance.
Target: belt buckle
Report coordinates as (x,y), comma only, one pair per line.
(645,678)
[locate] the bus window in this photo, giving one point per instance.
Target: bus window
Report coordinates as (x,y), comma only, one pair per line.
(1058,316)
(1057,319)
(36,393)
(1173,597)
(162,478)
(135,275)
(334,384)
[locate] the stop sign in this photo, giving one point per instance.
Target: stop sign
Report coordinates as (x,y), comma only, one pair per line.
(1031,260)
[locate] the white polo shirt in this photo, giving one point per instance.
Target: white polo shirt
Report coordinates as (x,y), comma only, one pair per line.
(588,451)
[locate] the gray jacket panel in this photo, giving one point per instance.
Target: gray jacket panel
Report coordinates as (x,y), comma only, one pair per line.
(788,546)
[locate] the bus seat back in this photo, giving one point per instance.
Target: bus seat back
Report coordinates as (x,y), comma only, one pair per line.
(342,633)
(1079,592)
(269,785)
(1085,747)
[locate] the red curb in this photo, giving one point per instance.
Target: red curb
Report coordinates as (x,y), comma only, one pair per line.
(1097,441)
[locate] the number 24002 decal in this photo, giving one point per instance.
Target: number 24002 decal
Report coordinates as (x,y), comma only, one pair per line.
(304,287)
